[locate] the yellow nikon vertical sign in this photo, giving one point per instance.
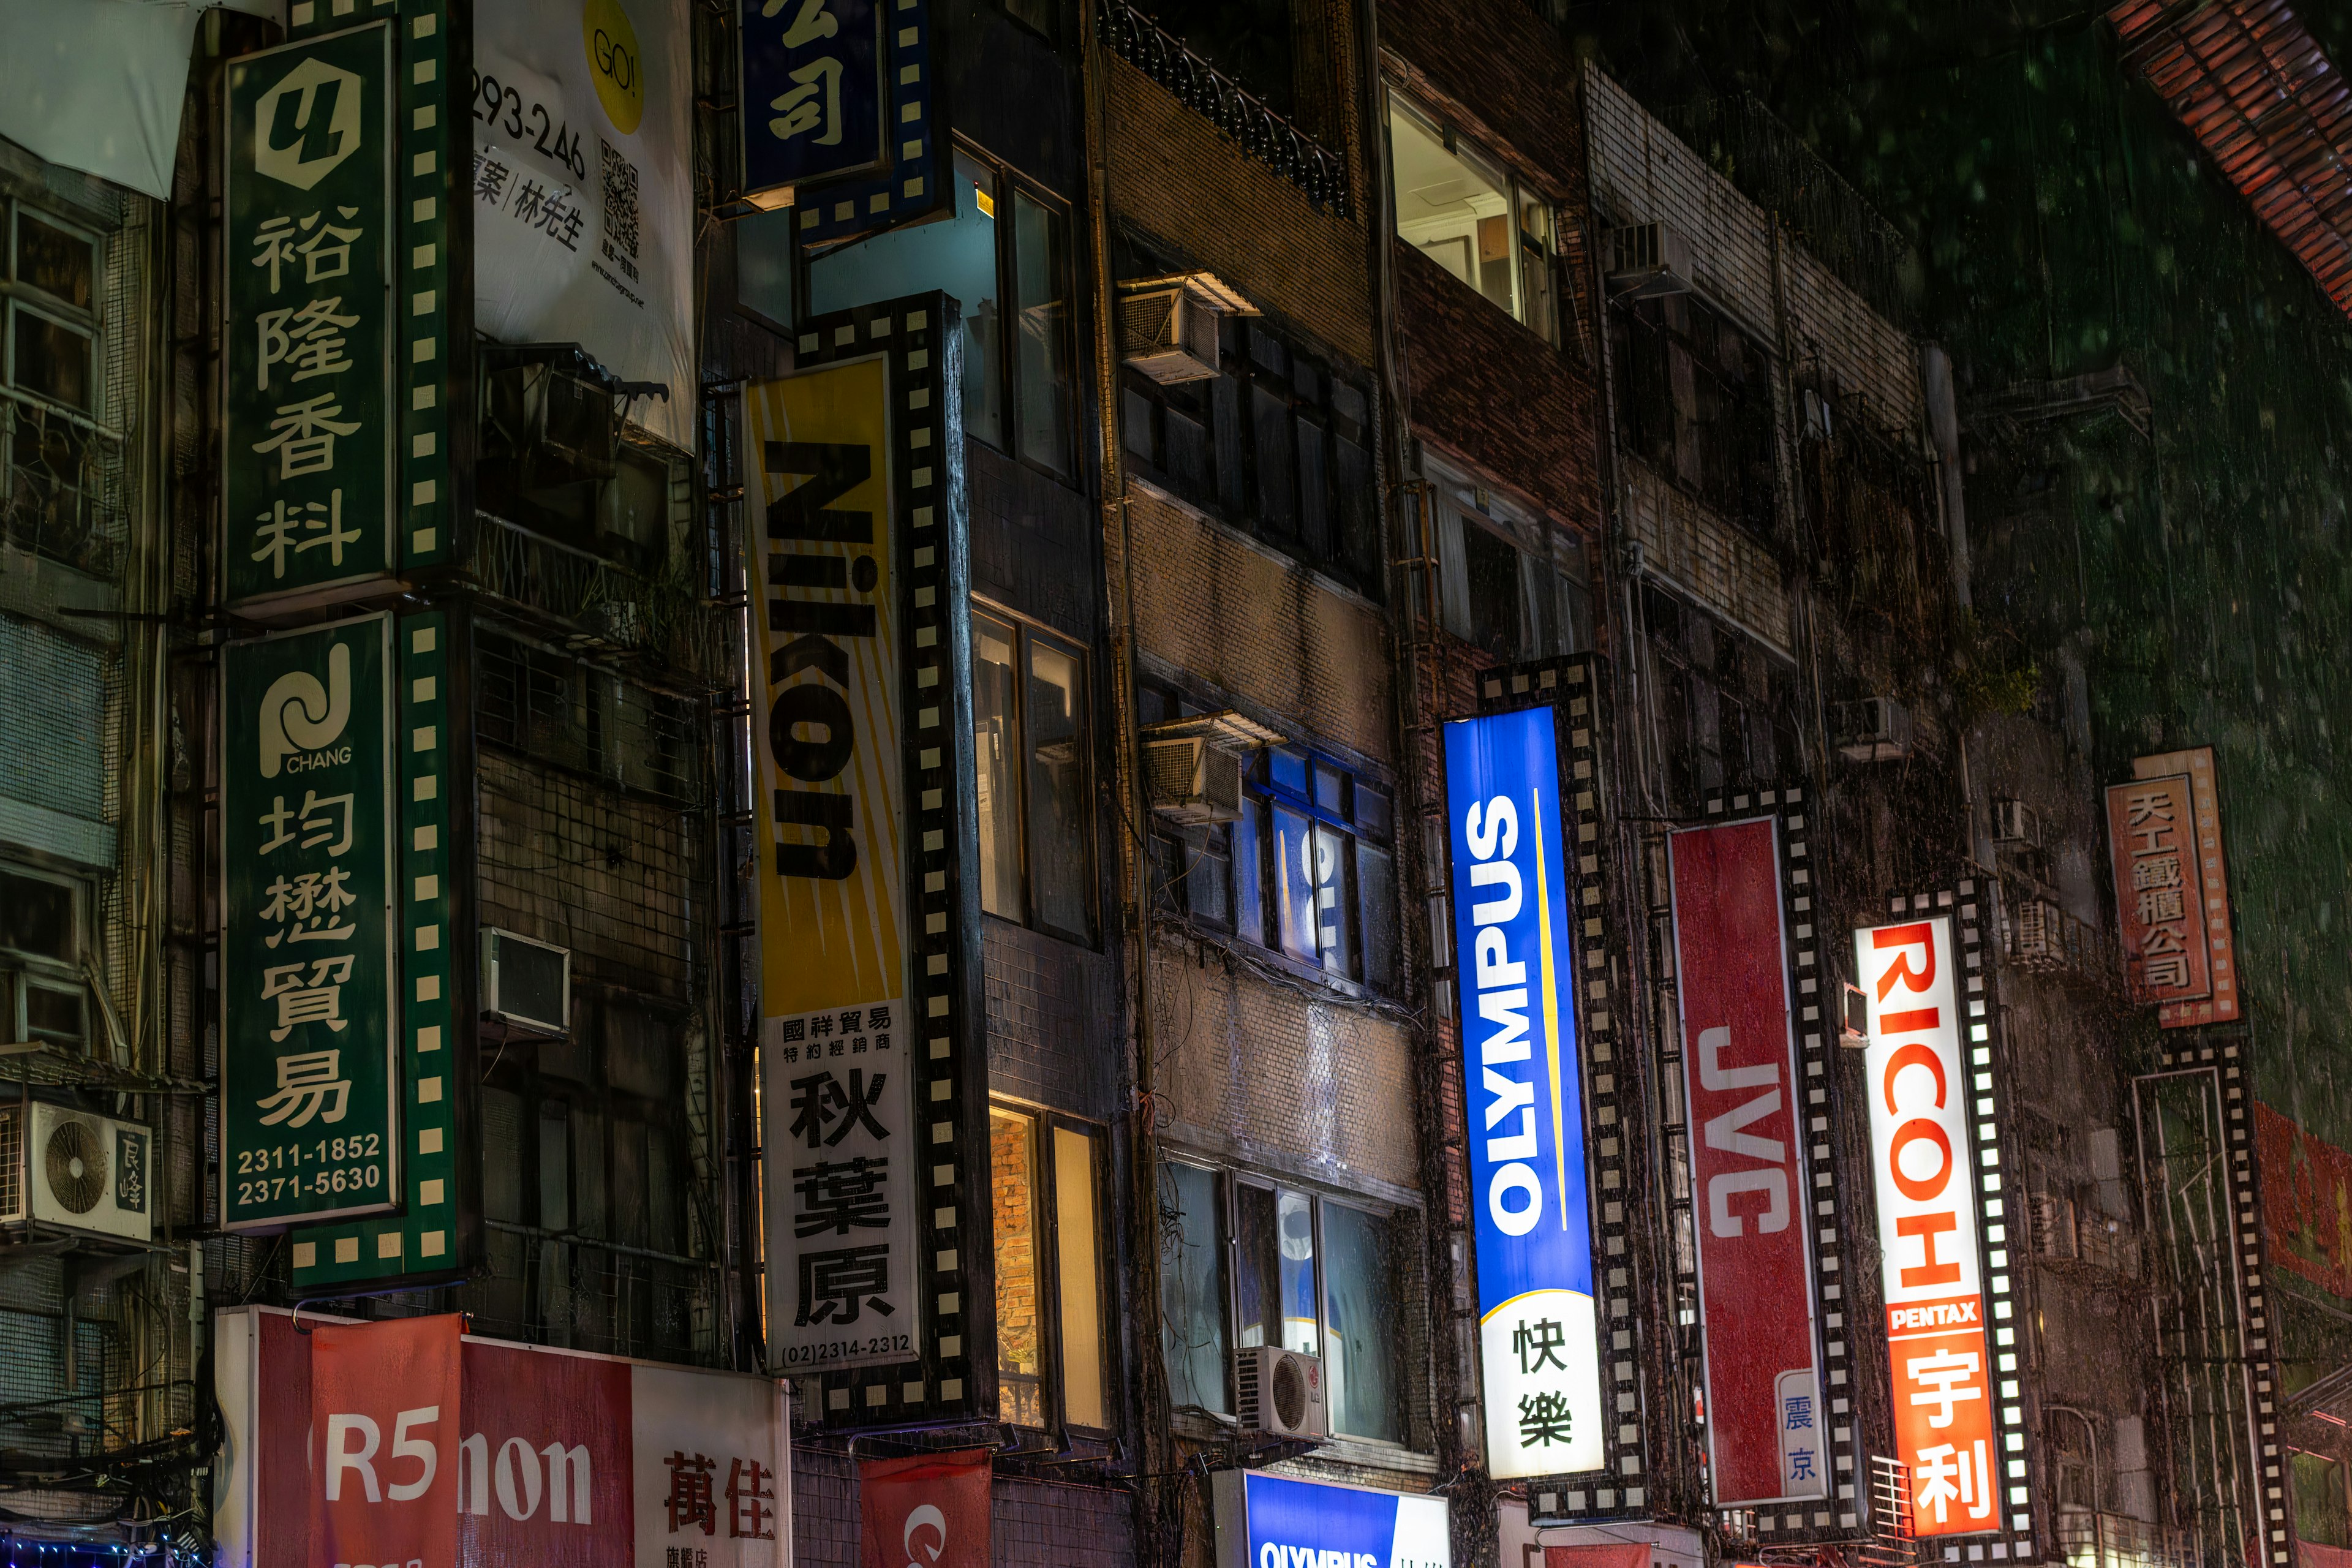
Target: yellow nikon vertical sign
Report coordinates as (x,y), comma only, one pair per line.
(826,638)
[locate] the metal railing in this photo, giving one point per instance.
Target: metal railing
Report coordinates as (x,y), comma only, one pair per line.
(600,605)
(1239,115)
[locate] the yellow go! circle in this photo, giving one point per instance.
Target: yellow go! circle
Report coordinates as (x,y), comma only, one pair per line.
(615,62)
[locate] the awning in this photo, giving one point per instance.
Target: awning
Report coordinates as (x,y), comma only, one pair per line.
(98,85)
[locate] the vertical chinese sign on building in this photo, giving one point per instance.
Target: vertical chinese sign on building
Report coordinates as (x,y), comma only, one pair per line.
(1929,1063)
(1538,1332)
(2172,889)
(878,1232)
(310,1078)
(307,412)
(1762,1371)
(841,113)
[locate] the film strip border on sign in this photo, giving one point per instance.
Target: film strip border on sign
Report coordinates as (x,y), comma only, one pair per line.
(1965,903)
(423,1241)
(423,302)
(918,340)
(916,184)
(2224,1057)
(1811,988)
(1613,1117)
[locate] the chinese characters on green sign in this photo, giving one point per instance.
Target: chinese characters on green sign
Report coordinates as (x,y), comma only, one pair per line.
(307,413)
(309,1065)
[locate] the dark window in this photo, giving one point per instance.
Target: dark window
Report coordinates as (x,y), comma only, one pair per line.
(1726,708)
(1030,722)
(1696,401)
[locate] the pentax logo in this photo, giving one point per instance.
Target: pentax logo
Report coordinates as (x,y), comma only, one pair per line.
(307,124)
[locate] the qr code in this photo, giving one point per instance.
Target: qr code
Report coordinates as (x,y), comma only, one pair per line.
(620,180)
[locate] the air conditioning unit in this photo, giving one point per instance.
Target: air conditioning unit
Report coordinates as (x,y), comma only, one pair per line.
(1874,729)
(76,1170)
(2014,822)
(1192,766)
(526,983)
(1649,259)
(1189,780)
(1168,326)
(1281,1392)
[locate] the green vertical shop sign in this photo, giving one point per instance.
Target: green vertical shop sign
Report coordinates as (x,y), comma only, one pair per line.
(310,1060)
(308,411)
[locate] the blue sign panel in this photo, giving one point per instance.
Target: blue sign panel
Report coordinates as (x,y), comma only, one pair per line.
(1515,957)
(813,100)
(1273,1521)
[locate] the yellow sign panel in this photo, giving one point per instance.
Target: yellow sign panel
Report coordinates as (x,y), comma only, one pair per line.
(821,553)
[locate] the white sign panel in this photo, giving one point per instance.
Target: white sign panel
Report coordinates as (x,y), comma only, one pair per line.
(582,190)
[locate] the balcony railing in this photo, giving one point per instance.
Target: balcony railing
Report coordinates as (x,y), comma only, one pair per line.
(1239,115)
(597,605)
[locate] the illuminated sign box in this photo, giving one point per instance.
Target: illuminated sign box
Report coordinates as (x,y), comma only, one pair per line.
(1277,1521)
(1515,957)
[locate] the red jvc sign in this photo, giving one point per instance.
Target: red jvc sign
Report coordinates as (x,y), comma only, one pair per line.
(1755,1268)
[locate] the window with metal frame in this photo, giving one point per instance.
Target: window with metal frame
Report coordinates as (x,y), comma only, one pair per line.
(1031,748)
(51,445)
(1004,256)
(44,990)
(1046,1185)
(1248,1261)
(1459,206)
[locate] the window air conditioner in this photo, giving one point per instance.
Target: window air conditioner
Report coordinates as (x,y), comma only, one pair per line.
(1192,766)
(76,1170)
(1168,326)
(1874,729)
(1649,259)
(2014,822)
(1192,780)
(1281,1392)
(526,983)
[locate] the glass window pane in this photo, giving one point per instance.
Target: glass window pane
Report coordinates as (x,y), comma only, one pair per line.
(1207,891)
(1192,1287)
(1078,1270)
(53,1014)
(1295,1219)
(1535,263)
(1330,790)
(555,1164)
(502,1155)
(49,359)
(1040,274)
(763,263)
(1287,771)
(36,917)
(56,260)
(1249,900)
(1454,208)
(956,254)
(1012,1190)
(1491,568)
(1376,896)
(1294,884)
(1257,1260)
(1056,714)
(996,742)
(1277,478)
(1335,903)
(1360,1368)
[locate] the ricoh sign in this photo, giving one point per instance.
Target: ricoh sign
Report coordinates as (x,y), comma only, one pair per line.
(1515,955)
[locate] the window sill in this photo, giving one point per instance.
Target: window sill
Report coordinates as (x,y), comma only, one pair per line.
(1375,1455)
(1138,477)
(1250,955)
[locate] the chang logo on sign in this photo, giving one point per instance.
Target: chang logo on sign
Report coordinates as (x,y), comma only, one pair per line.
(307,124)
(1515,960)
(302,719)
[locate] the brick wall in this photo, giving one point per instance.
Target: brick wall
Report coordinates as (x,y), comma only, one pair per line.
(1500,72)
(1258,1071)
(1054,1031)
(1210,602)
(1200,197)
(1486,388)
(1012,1197)
(569,861)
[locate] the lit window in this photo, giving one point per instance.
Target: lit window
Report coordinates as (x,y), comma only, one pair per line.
(1029,724)
(1049,1318)
(1309,1274)
(43,995)
(1496,589)
(1463,212)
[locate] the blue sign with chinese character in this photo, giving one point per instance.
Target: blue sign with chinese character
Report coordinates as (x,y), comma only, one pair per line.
(1515,957)
(1275,1521)
(814,107)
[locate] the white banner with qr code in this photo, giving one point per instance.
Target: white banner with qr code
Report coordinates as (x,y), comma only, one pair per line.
(584,209)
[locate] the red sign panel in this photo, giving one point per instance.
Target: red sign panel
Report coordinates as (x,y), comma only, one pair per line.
(928,1509)
(2306,1201)
(1740,1073)
(2208,867)
(538,1456)
(1923,1164)
(384,1410)
(2159,897)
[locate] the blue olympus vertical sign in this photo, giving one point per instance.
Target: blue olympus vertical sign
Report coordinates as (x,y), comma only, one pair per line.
(1273,1521)
(1538,1340)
